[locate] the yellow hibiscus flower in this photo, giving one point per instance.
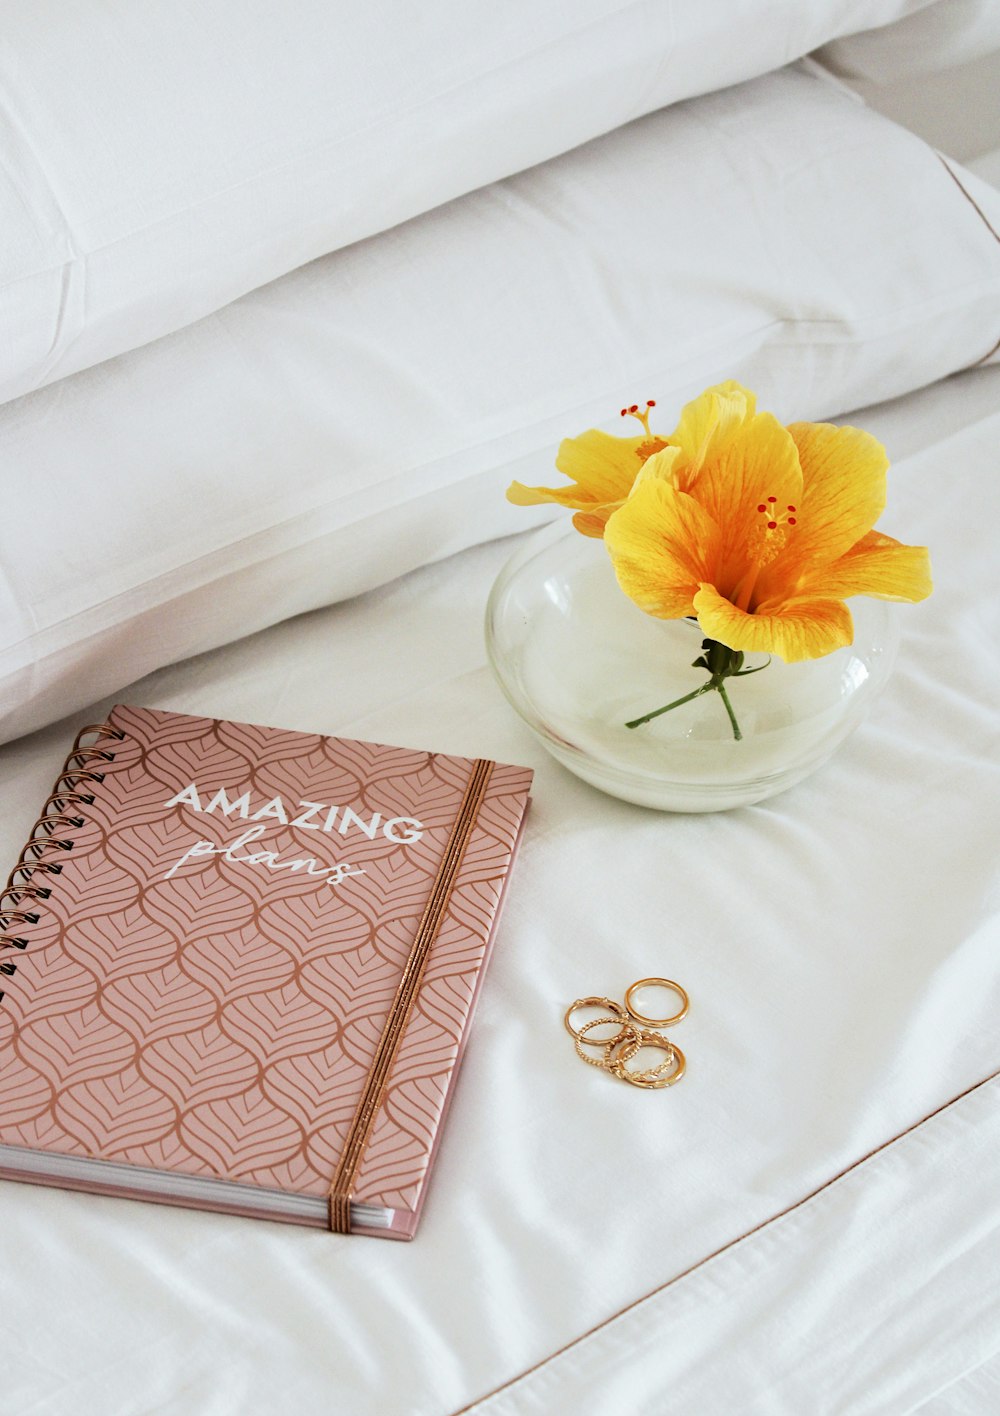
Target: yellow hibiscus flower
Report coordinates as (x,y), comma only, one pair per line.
(760,531)
(602,470)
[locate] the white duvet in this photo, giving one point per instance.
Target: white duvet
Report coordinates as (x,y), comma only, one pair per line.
(807,1224)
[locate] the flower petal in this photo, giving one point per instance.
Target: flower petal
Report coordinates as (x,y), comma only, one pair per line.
(877,565)
(592,523)
(659,467)
(661,543)
(759,461)
(521,495)
(708,423)
(843,488)
(604,466)
(602,469)
(798,629)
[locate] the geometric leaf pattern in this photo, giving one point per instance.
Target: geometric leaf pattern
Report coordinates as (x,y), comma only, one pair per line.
(219,1018)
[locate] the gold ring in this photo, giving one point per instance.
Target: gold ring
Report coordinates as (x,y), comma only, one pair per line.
(629,1033)
(661,983)
(620,1016)
(627,1050)
(655,1077)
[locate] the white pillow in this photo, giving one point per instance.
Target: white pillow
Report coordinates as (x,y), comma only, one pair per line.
(363,415)
(945,33)
(159,160)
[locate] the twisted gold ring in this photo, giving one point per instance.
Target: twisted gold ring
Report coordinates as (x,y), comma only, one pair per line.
(620,1016)
(654,1077)
(629,1034)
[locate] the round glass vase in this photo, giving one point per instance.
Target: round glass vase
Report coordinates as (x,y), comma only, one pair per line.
(578,660)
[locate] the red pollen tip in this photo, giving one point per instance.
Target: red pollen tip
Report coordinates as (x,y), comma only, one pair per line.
(762,507)
(634,408)
(772,500)
(772,526)
(791,521)
(651,403)
(791,508)
(624,411)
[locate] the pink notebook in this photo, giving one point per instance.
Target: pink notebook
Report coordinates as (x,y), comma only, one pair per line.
(239,966)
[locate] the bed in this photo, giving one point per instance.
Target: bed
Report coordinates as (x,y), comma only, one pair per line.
(811,1222)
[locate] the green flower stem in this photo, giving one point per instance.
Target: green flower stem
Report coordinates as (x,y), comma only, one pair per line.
(729,709)
(648,717)
(721,663)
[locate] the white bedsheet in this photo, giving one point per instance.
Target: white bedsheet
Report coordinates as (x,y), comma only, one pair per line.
(694,1250)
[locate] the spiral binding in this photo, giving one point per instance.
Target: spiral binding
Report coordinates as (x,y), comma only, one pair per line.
(58,814)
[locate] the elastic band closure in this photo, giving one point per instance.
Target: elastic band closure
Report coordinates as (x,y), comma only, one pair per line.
(395,1025)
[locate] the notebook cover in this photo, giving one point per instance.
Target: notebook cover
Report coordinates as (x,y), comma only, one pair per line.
(180,1007)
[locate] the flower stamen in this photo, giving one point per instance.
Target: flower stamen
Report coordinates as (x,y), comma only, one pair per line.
(651,443)
(766,542)
(777,519)
(642,417)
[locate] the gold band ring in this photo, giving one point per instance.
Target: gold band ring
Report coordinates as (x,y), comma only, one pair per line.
(659,983)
